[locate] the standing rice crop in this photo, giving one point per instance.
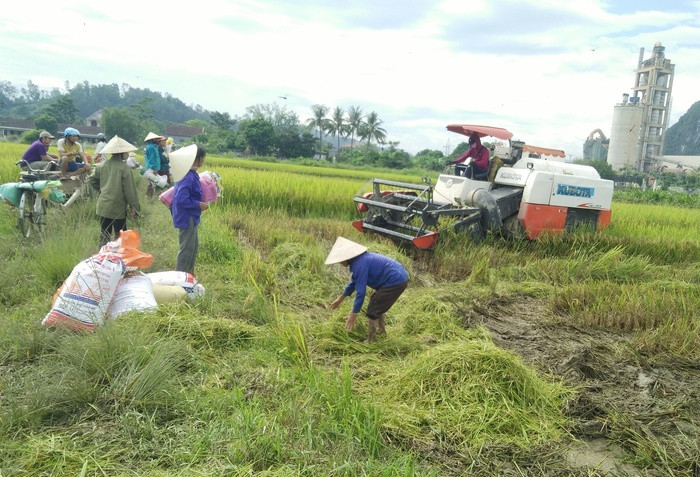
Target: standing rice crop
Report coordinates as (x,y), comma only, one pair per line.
(9,154)
(295,194)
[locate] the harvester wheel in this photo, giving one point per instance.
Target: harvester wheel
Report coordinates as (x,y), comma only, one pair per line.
(512,228)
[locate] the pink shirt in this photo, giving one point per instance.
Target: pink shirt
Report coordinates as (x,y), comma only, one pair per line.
(479,153)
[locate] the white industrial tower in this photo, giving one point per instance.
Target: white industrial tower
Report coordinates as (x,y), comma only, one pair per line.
(640,121)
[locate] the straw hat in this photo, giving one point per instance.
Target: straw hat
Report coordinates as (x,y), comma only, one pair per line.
(152,135)
(181,161)
(117,145)
(344,249)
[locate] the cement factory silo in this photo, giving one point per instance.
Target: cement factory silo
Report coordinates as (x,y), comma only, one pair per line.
(624,136)
(640,121)
(596,148)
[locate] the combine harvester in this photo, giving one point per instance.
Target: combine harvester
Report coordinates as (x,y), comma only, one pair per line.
(516,197)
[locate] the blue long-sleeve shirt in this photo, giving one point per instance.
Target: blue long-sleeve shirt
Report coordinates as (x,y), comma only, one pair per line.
(186,199)
(152,157)
(373,270)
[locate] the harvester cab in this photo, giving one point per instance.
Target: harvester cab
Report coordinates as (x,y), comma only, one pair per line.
(518,196)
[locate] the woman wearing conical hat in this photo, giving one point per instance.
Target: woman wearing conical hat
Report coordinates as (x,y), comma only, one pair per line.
(187,205)
(385,275)
(153,160)
(114,182)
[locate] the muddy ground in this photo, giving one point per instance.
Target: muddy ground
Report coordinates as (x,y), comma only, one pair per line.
(627,404)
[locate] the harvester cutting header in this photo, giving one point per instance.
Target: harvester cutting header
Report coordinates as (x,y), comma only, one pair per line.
(514,195)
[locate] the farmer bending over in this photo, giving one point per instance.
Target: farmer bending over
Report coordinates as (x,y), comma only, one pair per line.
(385,275)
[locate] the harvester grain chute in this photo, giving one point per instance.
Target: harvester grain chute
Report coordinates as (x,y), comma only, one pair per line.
(520,196)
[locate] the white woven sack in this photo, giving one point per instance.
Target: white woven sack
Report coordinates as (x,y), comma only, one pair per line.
(135,292)
(182,279)
(87,293)
(158,180)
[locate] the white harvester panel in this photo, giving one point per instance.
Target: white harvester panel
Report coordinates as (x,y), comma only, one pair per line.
(557,167)
(568,191)
(456,189)
(511,176)
(563,184)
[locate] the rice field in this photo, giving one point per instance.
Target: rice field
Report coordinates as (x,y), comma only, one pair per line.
(502,357)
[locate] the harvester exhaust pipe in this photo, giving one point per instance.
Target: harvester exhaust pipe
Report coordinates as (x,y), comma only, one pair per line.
(489,209)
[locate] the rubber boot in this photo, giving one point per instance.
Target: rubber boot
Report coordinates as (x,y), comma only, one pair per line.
(372,335)
(381,328)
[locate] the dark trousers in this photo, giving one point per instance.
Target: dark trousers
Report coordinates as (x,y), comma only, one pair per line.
(383,299)
(189,243)
(109,229)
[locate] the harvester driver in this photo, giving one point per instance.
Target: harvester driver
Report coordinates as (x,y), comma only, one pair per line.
(479,155)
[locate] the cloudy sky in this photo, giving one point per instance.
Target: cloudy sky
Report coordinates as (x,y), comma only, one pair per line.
(550,71)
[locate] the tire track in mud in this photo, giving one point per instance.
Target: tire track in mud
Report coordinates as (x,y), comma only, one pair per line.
(655,398)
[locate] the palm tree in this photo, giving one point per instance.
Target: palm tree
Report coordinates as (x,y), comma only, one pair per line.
(354,122)
(371,129)
(319,121)
(337,126)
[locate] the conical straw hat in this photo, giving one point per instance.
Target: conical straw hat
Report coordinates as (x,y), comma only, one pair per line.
(152,135)
(181,161)
(117,145)
(344,249)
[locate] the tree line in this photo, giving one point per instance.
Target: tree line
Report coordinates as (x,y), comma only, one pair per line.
(267,130)
(273,130)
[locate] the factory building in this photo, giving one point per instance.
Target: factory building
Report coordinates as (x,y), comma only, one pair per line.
(641,119)
(596,146)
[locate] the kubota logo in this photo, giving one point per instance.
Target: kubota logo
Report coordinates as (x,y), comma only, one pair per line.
(510,175)
(575,191)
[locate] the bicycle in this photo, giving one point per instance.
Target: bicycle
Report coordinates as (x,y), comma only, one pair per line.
(32,209)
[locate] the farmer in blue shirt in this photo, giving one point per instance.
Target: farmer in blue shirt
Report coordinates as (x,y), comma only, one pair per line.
(187,205)
(385,275)
(154,157)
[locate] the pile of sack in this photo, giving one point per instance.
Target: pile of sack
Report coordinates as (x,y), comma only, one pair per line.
(110,283)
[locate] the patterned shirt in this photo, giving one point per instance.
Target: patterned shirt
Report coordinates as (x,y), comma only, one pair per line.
(69,149)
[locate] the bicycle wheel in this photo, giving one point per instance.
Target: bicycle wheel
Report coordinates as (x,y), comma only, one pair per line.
(26,211)
(39,213)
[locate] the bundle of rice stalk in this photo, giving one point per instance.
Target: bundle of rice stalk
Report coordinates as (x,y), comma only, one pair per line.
(467,393)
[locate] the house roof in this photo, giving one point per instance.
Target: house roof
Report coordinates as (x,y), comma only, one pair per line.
(182,130)
(28,124)
(84,130)
(179,130)
(18,123)
(96,115)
